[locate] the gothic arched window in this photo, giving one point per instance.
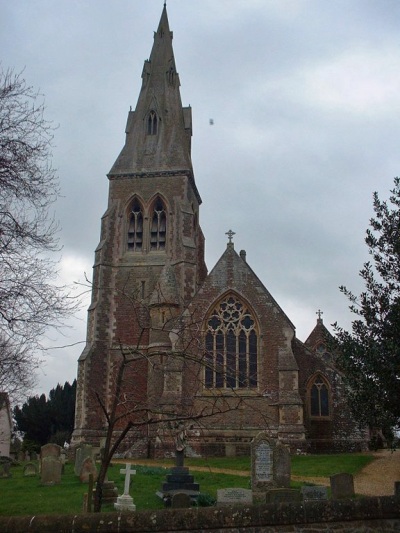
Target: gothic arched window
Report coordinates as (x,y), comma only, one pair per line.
(152,123)
(231,346)
(158,228)
(135,227)
(319,397)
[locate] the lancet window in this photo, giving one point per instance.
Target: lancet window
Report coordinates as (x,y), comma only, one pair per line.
(158,226)
(135,227)
(152,123)
(231,346)
(319,397)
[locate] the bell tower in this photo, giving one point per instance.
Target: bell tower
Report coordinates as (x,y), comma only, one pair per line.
(149,262)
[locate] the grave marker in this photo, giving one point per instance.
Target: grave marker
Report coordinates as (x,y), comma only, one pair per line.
(342,486)
(125,502)
(315,492)
(234,496)
(270,465)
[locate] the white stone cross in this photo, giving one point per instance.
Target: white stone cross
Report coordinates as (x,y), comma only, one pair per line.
(128,473)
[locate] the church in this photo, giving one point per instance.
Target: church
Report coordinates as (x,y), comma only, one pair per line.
(170,344)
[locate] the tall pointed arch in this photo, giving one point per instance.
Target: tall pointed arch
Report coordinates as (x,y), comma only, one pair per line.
(231,345)
(319,396)
(158,225)
(135,226)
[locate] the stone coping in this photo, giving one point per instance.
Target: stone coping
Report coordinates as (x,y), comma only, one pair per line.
(379,511)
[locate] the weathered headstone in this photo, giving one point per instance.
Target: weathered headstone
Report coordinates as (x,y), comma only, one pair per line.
(270,465)
(83,451)
(50,463)
(181,500)
(342,486)
(5,467)
(234,496)
(30,469)
(314,492)
(283,495)
(125,502)
(88,468)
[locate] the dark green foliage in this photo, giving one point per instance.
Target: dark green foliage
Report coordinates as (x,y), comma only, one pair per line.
(206,500)
(370,352)
(47,420)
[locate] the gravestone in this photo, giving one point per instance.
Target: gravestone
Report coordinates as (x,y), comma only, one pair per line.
(50,464)
(181,500)
(5,467)
(342,486)
(30,469)
(88,468)
(283,495)
(179,479)
(315,492)
(81,452)
(270,465)
(125,502)
(234,496)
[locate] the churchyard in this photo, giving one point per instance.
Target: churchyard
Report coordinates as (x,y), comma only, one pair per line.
(67,497)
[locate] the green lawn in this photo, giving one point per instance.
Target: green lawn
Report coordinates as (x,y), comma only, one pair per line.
(25,495)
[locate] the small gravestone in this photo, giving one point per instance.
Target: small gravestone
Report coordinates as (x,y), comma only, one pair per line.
(270,465)
(234,496)
(181,500)
(283,495)
(125,502)
(5,467)
(342,486)
(50,464)
(315,492)
(88,468)
(30,469)
(21,457)
(83,451)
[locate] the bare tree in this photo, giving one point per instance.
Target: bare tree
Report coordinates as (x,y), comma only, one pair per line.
(30,299)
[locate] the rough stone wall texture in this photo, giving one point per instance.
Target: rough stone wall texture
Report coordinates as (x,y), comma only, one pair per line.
(366,514)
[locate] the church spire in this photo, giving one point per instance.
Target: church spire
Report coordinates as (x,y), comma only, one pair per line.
(158,132)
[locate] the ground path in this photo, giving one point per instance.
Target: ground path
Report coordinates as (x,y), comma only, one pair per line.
(375,479)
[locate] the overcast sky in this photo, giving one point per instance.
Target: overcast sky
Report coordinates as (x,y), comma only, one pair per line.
(305,99)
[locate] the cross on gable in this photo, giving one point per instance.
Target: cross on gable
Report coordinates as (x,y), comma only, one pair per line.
(230,234)
(319,313)
(128,473)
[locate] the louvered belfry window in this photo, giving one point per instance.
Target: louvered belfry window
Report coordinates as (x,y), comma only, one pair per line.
(135,229)
(231,346)
(158,226)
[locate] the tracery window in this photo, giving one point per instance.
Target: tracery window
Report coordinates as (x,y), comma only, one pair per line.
(158,226)
(152,123)
(231,346)
(135,228)
(319,398)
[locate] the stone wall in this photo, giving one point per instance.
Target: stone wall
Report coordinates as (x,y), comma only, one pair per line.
(365,514)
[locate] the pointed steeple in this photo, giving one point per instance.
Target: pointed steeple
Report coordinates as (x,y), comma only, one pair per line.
(158,132)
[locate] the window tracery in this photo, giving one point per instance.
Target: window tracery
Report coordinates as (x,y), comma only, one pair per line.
(158,226)
(319,398)
(152,123)
(135,227)
(231,346)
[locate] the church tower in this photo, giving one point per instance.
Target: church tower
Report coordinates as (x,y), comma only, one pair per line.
(150,259)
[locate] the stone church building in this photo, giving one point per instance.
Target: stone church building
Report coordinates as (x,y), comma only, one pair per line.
(212,348)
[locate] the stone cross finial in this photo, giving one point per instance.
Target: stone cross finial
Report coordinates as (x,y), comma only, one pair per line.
(128,473)
(319,313)
(230,234)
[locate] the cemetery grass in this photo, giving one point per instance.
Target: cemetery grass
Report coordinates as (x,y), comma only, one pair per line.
(34,499)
